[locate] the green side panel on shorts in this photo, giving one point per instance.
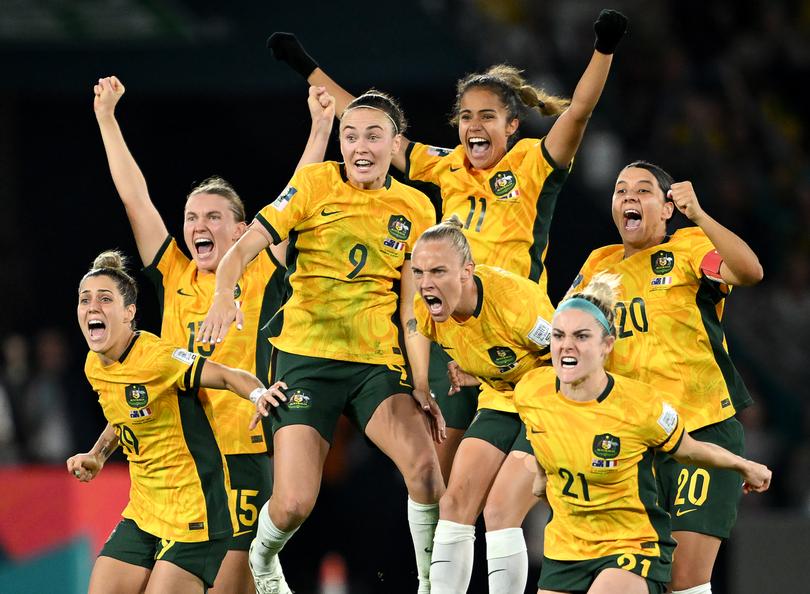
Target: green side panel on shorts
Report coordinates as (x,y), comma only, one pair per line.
(707,297)
(546,201)
(154,275)
(648,494)
(207,458)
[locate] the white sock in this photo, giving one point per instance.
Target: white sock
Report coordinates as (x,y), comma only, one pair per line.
(422,519)
(507,561)
(701,589)
(268,542)
(452,563)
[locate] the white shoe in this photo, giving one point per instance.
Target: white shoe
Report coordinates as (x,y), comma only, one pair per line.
(272,582)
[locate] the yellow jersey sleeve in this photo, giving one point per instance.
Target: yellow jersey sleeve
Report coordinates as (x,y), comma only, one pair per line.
(292,206)
(185,295)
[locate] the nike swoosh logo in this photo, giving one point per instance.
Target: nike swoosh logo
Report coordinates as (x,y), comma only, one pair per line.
(536,431)
(242,533)
(435,562)
(682,512)
(495,571)
(180,292)
(454,169)
(427,550)
(329,213)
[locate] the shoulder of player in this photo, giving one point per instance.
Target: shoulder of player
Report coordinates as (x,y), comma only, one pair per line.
(537,382)
(599,259)
(685,238)
(502,283)
(412,197)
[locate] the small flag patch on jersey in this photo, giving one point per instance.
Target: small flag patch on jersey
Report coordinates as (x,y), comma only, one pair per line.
(394,244)
(184,356)
(668,419)
(437,151)
(600,463)
(541,333)
(284,198)
(661,280)
(513,194)
(140,413)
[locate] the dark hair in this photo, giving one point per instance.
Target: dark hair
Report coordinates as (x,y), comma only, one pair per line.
(112,263)
(513,90)
(450,230)
(664,179)
(383,102)
(220,187)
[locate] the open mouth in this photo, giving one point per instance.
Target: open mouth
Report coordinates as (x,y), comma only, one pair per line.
(203,245)
(96,328)
(478,146)
(363,165)
(434,304)
(568,362)
(632,219)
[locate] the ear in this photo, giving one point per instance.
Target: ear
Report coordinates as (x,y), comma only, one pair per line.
(669,209)
(130,313)
(467,271)
(396,144)
(239,230)
(512,127)
(608,342)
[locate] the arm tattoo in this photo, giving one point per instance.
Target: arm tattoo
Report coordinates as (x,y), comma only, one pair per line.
(411,326)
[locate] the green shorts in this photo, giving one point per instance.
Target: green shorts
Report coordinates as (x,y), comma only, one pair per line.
(320,390)
(703,500)
(130,544)
(252,485)
(459,409)
(577,576)
(502,429)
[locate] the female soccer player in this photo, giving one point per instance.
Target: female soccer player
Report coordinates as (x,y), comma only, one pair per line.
(503,189)
(214,218)
(595,435)
(669,335)
(351,230)
(177,524)
(496,325)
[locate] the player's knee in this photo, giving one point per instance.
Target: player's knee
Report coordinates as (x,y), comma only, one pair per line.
(424,478)
(496,516)
(451,507)
(290,511)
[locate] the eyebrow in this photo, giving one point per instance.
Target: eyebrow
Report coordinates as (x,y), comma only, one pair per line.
(349,126)
(99,290)
(641,181)
(486,109)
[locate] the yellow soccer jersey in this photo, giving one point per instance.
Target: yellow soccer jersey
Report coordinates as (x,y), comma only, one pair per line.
(179,480)
(185,296)
(347,248)
(507,335)
(668,326)
(506,210)
(599,459)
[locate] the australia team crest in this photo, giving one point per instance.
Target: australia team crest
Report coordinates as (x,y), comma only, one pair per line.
(399,227)
(504,185)
(662,262)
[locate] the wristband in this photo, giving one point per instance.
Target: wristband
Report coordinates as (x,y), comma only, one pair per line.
(256,394)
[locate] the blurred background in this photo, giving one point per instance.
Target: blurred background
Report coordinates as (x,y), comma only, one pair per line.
(712,91)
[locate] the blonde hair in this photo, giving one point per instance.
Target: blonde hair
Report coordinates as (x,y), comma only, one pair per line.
(514,91)
(217,185)
(602,293)
(450,230)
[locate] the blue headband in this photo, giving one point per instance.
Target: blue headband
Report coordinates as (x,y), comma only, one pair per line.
(586,306)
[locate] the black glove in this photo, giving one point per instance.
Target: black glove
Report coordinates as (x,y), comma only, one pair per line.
(287,48)
(610,26)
